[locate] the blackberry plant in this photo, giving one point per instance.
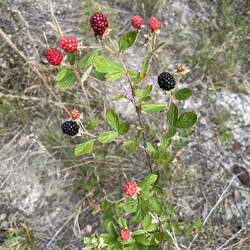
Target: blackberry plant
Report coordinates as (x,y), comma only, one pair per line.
(142,220)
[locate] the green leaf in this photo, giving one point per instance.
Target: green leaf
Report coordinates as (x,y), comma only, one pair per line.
(170,133)
(113,119)
(130,145)
(84,148)
(165,143)
(127,40)
(144,67)
(107,136)
(150,147)
(123,128)
(112,70)
(147,90)
(186,120)
(150,108)
(148,225)
(172,114)
(149,180)
(88,59)
(110,228)
(65,78)
(122,222)
(183,94)
(99,75)
(72,58)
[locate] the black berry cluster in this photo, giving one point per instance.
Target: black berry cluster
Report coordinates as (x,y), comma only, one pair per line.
(166,81)
(70,128)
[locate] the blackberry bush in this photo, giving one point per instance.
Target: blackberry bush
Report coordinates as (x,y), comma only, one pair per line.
(142,220)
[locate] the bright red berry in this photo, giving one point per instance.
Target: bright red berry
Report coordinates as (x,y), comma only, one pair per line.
(99,23)
(54,56)
(137,22)
(75,114)
(131,189)
(154,24)
(68,44)
(125,234)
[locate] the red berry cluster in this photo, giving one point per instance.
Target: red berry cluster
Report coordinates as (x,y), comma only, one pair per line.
(131,189)
(125,234)
(137,22)
(75,114)
(153,23)
(54,56)
(68,43)
(99,23)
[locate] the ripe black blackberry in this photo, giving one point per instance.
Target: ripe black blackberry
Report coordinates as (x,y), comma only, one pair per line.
(166,81)
(70,128)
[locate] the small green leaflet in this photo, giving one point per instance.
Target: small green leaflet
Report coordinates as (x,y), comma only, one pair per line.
(127,40)
(151,108)
(186,120)
(183,94)
(172,114)
(84,148)
(88,59)
(107,136)
(65,78)
(111,69)
(113,119)
(130,145)
(72,58)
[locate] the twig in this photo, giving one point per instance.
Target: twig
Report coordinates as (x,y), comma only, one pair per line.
(222,196)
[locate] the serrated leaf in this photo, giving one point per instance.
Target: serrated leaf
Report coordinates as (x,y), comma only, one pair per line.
(183,94)
(93,123)
(99,75)
(123,128)
(84,148)
(149,180)
(113,119)
(171,132)
(88,59)
(107,65)
(107,136)
(65,78)
(127,40)
(151,108)
(165,143)
(72,58)
(186,120)
(172,114)
(122,222)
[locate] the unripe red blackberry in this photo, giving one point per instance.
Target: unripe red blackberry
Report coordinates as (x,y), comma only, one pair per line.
(154,24)
(70,128)
(131,189)
(75,114)
(99,23)
(54,56)
(68,44)
(137,22)
(166,81)
(125,234)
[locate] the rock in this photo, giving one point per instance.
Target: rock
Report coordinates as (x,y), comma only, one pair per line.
(242,174)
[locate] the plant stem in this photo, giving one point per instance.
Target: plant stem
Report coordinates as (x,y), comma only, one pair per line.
(138,112)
